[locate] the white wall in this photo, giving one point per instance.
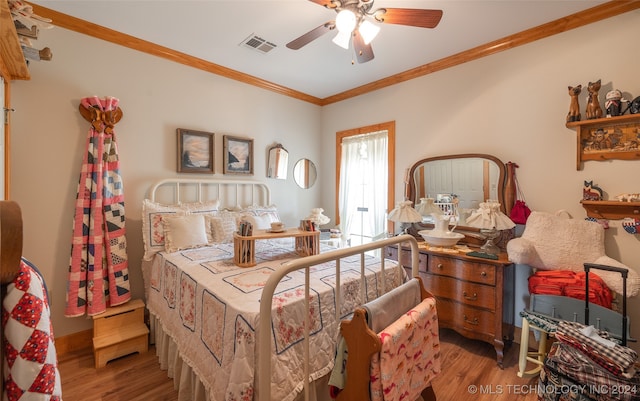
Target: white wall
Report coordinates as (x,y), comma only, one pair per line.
(156,96)
(512,105)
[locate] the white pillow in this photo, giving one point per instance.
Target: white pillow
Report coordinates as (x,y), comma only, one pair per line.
(272,211)
(261,222)
(184,232)
(222,226)
(201,207)
(152,229)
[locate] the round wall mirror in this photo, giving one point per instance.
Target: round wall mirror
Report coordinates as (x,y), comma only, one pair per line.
(304,173)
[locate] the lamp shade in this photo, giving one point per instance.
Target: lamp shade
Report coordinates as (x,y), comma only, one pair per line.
(317,217)
(368,31)
(346,21)
(488,216)
(427,206)
(404,213)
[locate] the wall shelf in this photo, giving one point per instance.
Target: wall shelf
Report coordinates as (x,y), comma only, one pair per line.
(11,57)
(612,210)
(619,138)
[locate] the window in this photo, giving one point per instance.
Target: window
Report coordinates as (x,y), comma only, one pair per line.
(363,156)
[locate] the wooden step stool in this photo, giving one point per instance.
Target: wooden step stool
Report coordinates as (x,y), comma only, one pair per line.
(119,331)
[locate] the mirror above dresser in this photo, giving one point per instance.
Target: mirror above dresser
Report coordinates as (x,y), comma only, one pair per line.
(469,178)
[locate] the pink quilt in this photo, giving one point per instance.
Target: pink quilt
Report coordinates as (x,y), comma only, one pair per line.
(410,355)
(30,355)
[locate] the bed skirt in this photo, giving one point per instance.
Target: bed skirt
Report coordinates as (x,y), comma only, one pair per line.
(186,381)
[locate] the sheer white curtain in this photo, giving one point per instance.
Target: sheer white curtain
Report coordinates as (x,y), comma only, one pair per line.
(363,184)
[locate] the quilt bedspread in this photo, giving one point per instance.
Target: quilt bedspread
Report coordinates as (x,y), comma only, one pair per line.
(210,307)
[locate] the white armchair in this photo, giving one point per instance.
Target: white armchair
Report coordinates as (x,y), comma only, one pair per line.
(552,242)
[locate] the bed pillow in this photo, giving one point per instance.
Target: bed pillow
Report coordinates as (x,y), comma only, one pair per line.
(201,207)
(152,229)
(271,211)
(184,232)
(259,222)
(222,226)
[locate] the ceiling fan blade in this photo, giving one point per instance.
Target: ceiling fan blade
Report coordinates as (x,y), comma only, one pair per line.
(326,3)
(409,16)
(311,35)
(363,51)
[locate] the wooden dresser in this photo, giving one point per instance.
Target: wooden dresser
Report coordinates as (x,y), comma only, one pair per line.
(475,295)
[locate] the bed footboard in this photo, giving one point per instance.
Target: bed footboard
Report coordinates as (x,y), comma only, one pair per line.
(265,333)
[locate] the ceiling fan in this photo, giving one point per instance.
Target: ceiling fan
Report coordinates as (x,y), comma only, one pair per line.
(352,22)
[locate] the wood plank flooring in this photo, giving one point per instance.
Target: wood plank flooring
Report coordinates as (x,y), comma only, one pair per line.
(138,377)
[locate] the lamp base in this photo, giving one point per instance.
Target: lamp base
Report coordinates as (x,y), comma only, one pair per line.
(489,247)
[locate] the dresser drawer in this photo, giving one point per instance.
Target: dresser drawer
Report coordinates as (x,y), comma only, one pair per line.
(468,293)
(456,315)
(391,252)
(462,270)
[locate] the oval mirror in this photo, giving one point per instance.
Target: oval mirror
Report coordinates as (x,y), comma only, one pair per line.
(304,173)
(278,162)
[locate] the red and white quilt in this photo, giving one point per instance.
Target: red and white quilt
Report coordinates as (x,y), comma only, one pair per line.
(29,354)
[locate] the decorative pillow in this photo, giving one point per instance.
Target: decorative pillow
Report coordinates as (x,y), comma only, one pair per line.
(152,228)
(222,226)
(272,211)
(201,207)
(184,232)
(260,222)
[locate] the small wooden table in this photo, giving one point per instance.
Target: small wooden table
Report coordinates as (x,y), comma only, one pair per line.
(244,247)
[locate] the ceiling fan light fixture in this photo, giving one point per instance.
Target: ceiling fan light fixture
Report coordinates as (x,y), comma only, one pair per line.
(346,21)
(368,31)
(342,39)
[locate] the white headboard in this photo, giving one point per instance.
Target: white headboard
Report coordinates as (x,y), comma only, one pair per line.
(230,193)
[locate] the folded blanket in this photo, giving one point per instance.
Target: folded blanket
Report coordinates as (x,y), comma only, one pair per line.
(386,309)
(410,355)
(599,382)
(618,360)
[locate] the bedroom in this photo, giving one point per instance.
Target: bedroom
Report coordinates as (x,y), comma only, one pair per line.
(512,105)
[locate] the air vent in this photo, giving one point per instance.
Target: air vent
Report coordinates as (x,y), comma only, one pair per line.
(258,44)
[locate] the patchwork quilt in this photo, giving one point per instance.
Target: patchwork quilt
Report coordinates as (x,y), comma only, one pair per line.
(210,307)
(30,361)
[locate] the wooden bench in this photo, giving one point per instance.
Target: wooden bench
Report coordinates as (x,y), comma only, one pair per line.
(119,331)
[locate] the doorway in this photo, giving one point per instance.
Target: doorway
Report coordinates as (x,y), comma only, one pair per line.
(365,182)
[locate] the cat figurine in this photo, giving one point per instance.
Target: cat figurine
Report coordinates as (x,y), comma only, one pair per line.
(574,105)
(593,104)
(591,192)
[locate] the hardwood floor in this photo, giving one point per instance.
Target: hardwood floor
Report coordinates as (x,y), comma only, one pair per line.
(138,377)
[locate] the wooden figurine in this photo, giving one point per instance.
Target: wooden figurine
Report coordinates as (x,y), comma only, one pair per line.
(574,105)
(593,104)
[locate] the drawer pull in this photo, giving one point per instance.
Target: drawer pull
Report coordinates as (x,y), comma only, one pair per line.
(473,322)
(473,297)
(483,274)
(440,266)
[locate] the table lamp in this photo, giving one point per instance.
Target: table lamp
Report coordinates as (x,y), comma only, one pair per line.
(490,220)
(404,214)
(317,217)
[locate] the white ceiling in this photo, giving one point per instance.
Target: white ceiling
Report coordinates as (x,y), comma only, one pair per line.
(214,29)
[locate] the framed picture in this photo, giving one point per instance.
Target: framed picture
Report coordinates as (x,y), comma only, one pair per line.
(238,155)
(195,151)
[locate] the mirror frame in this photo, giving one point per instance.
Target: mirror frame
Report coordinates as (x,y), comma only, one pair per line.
(311,166)
(472,234)
(273,169)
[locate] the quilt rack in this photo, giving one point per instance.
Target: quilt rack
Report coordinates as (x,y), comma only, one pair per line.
(363,343)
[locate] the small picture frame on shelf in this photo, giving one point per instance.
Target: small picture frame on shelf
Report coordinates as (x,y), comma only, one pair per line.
(238,155)
(195,151)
